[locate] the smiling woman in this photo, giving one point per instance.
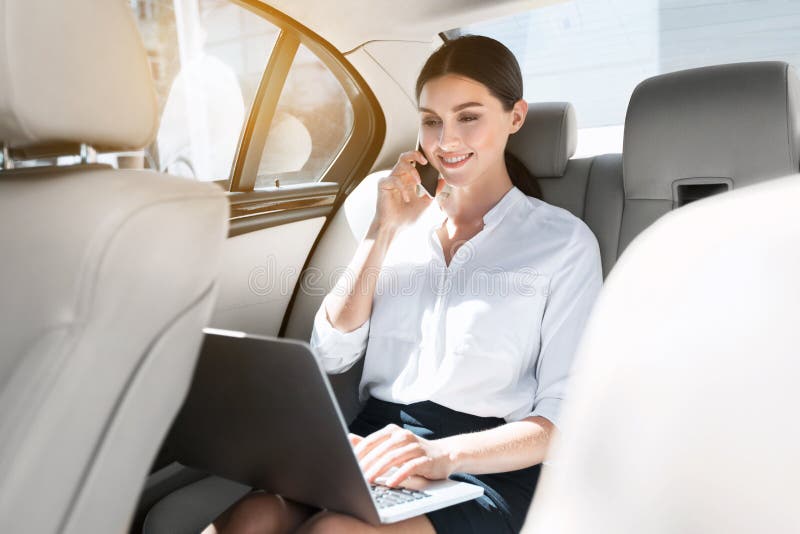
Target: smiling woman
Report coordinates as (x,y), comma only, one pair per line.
(500,79)
(458,383)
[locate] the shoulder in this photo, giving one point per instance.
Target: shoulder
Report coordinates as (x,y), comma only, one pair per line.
(573,248)
(559,226)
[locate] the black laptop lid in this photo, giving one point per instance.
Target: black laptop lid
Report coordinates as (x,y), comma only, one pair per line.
(260,411)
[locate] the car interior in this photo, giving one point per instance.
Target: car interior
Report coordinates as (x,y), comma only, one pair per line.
(142,202)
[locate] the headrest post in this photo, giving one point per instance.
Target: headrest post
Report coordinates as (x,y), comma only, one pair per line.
(6,162)
(88,154)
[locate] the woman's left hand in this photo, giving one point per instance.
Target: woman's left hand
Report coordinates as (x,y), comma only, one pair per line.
(393,446)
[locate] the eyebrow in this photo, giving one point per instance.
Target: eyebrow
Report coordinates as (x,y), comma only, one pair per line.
(457,108)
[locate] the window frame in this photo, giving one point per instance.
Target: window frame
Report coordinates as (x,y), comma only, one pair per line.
(352,160)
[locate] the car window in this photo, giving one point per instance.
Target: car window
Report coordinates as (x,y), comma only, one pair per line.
(207,58)
(312,121)
(593,53)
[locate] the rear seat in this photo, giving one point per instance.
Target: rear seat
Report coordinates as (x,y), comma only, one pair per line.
(684,139)
(733,124)
(590,188)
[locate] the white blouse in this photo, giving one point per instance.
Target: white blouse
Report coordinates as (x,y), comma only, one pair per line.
(492,334)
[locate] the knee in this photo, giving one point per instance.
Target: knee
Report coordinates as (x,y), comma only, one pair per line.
(257,513)
(332,523)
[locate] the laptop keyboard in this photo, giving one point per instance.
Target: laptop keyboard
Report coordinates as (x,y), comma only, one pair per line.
(385,497)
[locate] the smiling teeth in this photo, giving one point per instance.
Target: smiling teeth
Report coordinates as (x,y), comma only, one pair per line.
(456,160)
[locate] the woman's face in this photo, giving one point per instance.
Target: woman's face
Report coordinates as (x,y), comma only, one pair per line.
(464,129)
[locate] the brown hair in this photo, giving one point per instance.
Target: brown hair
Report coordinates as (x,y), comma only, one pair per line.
(490,63)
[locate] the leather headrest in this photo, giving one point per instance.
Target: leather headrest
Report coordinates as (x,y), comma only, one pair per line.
(547,139)
(73,72)
(737,122)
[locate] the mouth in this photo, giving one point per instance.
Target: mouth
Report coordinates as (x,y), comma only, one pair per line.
(456,161)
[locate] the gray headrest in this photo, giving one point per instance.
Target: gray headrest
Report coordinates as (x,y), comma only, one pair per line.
(738,121)
(547,139)
(73,72)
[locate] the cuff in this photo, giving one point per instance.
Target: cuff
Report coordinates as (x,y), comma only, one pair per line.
(337,350)
(548,408)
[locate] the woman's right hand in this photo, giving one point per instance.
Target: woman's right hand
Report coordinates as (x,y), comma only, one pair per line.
(398,204)
(414,482)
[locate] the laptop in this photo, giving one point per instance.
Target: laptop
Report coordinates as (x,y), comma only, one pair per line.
(260,411)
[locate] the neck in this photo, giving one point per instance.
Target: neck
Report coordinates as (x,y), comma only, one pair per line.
(466,205)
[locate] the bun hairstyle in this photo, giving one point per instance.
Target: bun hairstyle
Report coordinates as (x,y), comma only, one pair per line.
(489,62)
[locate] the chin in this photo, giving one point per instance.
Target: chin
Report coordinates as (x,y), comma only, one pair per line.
(458,181)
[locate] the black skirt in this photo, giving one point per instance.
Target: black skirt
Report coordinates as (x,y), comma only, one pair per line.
(507,496)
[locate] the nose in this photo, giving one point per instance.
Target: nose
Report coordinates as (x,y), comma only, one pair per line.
(448,138)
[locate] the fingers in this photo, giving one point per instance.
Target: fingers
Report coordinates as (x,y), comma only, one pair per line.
(399,437)
(414,156)
(407,182)
(401,184)
(354,439)
(373,440)
(406,175)
(394,458)
(406,470)
(392,447)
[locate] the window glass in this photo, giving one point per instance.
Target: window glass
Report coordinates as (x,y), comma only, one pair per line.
(593,52)
(312,121)
(207,58)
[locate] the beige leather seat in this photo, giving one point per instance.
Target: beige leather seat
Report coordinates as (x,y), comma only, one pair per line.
(683,411)
(107,277)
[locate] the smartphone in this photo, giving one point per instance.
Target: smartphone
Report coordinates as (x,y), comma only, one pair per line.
(428,174)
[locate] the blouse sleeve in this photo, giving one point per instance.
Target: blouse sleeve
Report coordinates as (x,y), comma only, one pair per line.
(572,293)
(337,351)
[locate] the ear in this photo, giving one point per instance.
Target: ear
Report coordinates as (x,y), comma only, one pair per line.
(518,114)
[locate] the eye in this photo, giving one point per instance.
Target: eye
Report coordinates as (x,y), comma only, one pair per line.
(429,122)
(468,118)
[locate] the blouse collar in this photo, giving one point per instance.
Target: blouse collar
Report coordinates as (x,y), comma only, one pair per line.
(492,217)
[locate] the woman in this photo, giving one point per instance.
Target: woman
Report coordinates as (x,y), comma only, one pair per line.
(462,381)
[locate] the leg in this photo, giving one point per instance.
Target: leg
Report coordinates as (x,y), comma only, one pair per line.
(333,523)
(261,513)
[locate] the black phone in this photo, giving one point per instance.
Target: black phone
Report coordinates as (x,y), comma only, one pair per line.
(428,174)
